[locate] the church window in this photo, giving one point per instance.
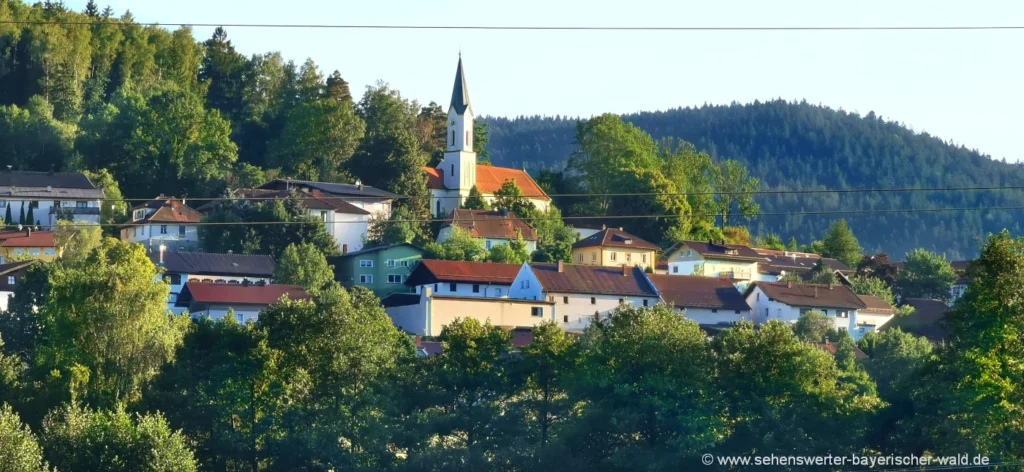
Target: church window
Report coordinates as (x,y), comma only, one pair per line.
(438,212)
(467,138)
(453,169)
(453,137)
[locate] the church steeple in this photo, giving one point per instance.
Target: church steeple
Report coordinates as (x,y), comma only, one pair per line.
(460,93)
(459,164)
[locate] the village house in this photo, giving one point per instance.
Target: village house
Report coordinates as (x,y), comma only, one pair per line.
(452,179)
(489,227)
(613,247)
(876,313)
(426,313)
(463,279)
(215,301)
(581,293)
(180,268)
(713,259)
(959,285)
(706,300)
(778,264)
(27,243)
(165,222)
(39,198)
(786,301)
(11,275)
(927,320)
(382,269)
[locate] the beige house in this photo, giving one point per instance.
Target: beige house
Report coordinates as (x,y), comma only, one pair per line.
(426,313)
(713,259)
(613,247)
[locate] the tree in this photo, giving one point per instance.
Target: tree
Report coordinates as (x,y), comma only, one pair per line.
(877,287)
(879,267)
(840,243)
(459,246)
(476,201)
(19,451)
(83,439)
(8,218)
(480,139)
(431,126)
(112,208)
(925,275)
(514,252)
(554,238)
(791,245)
(815,327)
(318,140)
(736,184)
(399,228)
(337,89)
(303,265)
(259,237)
(546,362)
(771,241)
(736,235)
(106,326)
(75,241)
(221,71)
(510,197)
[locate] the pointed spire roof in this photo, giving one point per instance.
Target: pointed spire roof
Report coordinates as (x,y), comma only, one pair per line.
(460,93)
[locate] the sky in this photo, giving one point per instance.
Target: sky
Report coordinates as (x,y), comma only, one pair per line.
(962,86)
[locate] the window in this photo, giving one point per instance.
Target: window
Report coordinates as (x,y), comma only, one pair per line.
(766,313)
(394,278)
(174,279)
(804,310)
(453,137)
(437,212)
(365,278)
(3,204)
(565,300)
(467,138)
(476,288)
(405,263)
(453,165)
(34,251)
(759,298)
(391,263)
(3,259)
(675,269)
(579,258)
(163,229)
(497,292)
(842,314)
(138,214)
(453,287)
(593,257)
(18,252)
(612,256)
(737,312)
(524,284)
(593,300)
(344,248)
(10,280)
(323,215)
(643,258)
(435,288)
(714,310)
(82,204)
(240,317)
(537,311)
(49,251)
(366,263)
(181,230)
(488,244)
(565,318)
(689,253)
(645,302)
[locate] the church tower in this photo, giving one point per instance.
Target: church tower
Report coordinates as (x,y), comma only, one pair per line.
(459,164)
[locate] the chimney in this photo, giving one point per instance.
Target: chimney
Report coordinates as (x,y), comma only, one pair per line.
(561,266)
(359,183)
(830,285)
(625,270)
(417,341)
(162,249)
(620,228)
(504,212)
(28,231)
(604,227)
(789,284)
(815,291)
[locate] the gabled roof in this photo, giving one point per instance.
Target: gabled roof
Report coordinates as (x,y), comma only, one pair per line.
(367,250)
(686,291)
(927,319)
(209,293)
(311,200)
(168,210)
(460,92)
(16,266)
(336,189)
(831,349)
(836,265)
(24,179)
(596,280)
(490,224)
(26,239)
(430,271)
(204,263)
(489,180)
(723,251)
(876,305)
(614,237)
(809,295)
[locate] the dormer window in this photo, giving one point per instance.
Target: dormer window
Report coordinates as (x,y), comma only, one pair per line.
(139,214)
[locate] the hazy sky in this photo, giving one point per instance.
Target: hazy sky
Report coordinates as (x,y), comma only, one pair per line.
(963,86)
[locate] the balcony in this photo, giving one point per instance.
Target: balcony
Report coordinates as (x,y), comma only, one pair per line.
(75,210)
(736,275)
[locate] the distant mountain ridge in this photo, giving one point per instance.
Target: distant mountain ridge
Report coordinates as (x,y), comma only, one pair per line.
(796,145)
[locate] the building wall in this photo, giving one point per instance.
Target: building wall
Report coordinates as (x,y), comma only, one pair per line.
(47,254)
(710,316)
(149,235)
(347,269)
(463,289)
(182,279)
(613,256)
(766,310)
(41,214)
(686,262)
(577,310)
(872,319)
(526,286)
(5,297)
(434,312)
(243,313)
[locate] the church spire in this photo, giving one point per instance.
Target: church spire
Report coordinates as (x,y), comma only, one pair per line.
(460,94)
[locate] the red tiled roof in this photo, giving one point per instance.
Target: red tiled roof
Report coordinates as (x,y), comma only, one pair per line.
(430,271)
(875,305)
(598,280)
(810,295)
(24,239)
(711,250)
(614,237)
(489,180)
(685,291)
(168,210)
(491,224)
(831,349)
(241,294)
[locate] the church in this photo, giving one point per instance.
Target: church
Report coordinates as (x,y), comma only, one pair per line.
(458,172)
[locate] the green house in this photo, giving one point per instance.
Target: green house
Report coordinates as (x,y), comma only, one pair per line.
(382,269)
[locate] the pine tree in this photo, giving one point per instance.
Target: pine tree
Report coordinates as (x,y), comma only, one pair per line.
(475,201)
(337,88)
(91,10)
(30,217)
(792,246)
(21,215)
(8,218)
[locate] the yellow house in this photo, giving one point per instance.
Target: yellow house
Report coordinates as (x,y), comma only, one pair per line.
(27,243)
(713,259)
(614,247)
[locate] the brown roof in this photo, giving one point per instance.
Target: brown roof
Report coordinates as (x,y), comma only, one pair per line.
(875,305)
(238,294)
(598,280)
(836,264)
(491,224)
(16,266)
(685,291)
(489,180)
(26,239)
(168,210)
(430,271)
(724,251)
(614,237)
(810,295)
(926,320)
(311,200)
(831,349)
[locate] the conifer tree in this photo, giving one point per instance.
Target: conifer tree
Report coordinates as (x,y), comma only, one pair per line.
(475,201)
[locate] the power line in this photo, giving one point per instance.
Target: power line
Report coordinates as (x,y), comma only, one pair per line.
(666,216)
(534,28)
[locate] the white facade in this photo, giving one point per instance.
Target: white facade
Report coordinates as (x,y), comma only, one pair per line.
(5,298)
(463,289)
(176,237)
(716,316)
(45,212)
(243,313)
(430,312)
(349,231)
(488,243)
(766,309)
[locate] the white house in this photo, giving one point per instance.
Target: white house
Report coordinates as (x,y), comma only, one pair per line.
(713,259)
(581,293)
(41,197)
(179,268)
(462,278)
(166,222)
(876,314)
(427,313)
(705,300)
(204,299)
(777,264)
(490,227)
(787,301)
(452,179)
(11,275)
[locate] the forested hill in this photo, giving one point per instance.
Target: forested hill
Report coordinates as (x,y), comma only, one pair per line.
(791,145)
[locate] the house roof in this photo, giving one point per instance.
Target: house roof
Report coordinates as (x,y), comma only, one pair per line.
(430,271)
(614,237)
(210,293)
(24,179)
(311,200)
(204,263)
(724,251)
(491,224)
(489,180)
(831,349)
(926,320)
(400,299)
(875,305)
(168,210)
(597,280)
(460,92)
(775,264)
(810,295)
(685,291)
(837,265)
(16,266)
(333,188)
(26,239)
(367,250)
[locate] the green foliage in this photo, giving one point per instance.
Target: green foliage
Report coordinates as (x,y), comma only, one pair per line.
(840,243)
(736,184)
(554,238)
(736,235)
(318,140)
(303,265)
(815,327)
(459,246)
(19,451)
(248,176)
(514,252)
(475,200)
(270,239)
(480,139)
(74,241)
(399,228)
(771,241)
(30,138)
(925,275)
(114,441)
(510,197)
(113,209)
